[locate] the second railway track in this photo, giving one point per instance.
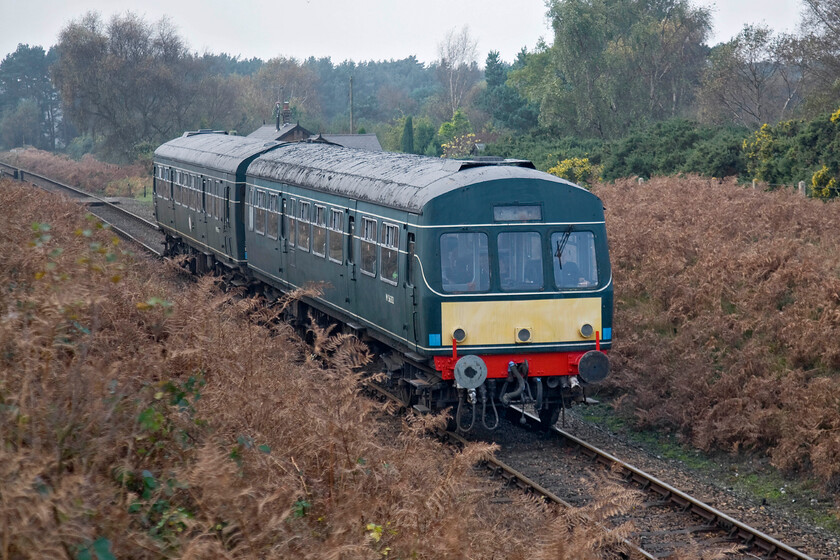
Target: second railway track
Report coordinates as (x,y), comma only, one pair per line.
(125,223)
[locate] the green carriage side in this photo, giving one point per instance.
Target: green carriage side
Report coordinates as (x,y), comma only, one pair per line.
(373,226)
(199,186)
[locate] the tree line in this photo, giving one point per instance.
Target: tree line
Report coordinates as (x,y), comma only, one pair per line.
(614,73)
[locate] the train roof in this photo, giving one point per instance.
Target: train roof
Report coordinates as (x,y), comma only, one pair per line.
(403,181)
(213,150)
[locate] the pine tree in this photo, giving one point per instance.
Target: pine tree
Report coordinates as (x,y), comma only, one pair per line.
(408,136)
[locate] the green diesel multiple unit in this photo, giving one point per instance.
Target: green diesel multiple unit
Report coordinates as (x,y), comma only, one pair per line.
(489,280)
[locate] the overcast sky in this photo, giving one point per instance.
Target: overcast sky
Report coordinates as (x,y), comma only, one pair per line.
(347,29)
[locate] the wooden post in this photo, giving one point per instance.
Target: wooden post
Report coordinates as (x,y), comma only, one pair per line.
(352,127)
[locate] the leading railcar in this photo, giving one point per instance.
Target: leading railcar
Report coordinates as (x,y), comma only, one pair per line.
(489,281)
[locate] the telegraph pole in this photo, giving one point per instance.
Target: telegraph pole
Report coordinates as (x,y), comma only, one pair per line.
(352,127)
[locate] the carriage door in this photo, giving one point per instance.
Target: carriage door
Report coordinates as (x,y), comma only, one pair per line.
(226,219)
(169,183)
(291,232)
(410,289)
(348,262)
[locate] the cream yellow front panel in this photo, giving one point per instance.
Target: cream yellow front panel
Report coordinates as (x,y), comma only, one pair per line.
(496,322)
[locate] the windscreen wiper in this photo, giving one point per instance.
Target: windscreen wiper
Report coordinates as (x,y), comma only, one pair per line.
(562,245)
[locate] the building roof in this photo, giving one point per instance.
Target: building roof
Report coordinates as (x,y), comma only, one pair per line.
(270,132)
(359,141)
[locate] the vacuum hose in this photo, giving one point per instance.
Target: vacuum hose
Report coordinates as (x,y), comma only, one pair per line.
(513,369)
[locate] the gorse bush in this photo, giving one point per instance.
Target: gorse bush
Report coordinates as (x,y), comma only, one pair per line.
(676,146)
(145,415)
(793,151)
(577,170)
(728,317)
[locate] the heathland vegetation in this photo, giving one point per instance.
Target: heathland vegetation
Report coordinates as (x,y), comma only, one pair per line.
(727,318)
(144,414)
(727,299)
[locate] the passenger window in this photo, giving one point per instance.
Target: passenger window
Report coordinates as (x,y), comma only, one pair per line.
(336,236)
(368,242)
(290,222)
(303,225)
(520,261)
(319,231)
(390,242)
(464,262)
(573,255)
(272,227)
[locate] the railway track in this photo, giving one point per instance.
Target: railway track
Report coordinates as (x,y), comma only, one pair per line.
(716,526)
(669,517)
(126,224)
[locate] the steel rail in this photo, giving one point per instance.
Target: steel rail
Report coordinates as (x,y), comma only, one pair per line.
(770,547)
(507,472)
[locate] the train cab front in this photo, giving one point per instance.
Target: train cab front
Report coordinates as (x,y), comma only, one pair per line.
(525,315)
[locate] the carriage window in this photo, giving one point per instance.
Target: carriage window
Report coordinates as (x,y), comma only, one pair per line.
(259,213)
(464,262)
(303,225)
(369,246)
(520,261)
(336,236)
(573,255)
(319,231)
(160,189)
(273,225)
(390,240)
(290,222)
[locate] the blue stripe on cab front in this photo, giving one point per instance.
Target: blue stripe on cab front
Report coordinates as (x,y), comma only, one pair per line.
(607,334)
(434,340)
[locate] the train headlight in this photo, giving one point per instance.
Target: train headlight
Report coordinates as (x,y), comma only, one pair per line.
(523,335)
(459,335)
(586,330)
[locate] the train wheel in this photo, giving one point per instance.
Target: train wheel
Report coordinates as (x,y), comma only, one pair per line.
(548,416)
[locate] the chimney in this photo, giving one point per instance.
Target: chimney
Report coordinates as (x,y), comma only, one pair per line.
(287,113)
